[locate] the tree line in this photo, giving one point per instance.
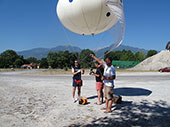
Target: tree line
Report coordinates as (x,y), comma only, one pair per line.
(65,59)
(125,55)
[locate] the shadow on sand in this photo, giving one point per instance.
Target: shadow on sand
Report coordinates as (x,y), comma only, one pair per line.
(128,114)
(92,97)
(128,91)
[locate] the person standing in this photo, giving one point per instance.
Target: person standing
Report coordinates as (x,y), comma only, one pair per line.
(108,80)
(99,82)
(77,81)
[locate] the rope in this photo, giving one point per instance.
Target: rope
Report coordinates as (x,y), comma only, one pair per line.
(67,36)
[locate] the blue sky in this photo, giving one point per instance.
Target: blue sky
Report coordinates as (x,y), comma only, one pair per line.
(27,24)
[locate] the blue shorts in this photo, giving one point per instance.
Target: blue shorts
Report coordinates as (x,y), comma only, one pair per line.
(77,83)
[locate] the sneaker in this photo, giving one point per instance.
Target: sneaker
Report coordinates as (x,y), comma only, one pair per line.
(74,100)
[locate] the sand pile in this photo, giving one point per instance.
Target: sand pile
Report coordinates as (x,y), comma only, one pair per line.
(155,62)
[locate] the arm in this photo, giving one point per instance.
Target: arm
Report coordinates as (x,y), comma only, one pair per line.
(97,59)
(109,78)
(95,74)
(74,73)
(99,72)
(83,71)
(112,77)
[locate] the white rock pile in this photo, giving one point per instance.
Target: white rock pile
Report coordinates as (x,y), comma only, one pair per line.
(156,62)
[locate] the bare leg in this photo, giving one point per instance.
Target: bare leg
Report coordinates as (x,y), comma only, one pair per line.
(99,94)
(106,105)
(79,91)
(73,91)
(108,110)
(109,105)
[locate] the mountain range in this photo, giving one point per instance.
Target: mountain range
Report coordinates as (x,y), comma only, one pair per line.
(42,52)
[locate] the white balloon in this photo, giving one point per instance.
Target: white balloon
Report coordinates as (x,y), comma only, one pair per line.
(87,17)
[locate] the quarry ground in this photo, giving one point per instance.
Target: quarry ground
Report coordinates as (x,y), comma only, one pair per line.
(43,100)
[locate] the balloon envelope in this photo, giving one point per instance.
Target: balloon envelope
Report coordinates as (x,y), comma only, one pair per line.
(87,17)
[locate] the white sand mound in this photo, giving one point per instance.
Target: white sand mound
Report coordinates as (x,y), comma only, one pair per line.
(155,62)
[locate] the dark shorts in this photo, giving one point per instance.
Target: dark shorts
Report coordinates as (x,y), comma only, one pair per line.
(77,83)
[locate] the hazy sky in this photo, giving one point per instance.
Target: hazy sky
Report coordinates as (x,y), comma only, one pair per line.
(27,24)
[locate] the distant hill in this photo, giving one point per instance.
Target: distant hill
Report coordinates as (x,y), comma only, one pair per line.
(42,52)
(36,52)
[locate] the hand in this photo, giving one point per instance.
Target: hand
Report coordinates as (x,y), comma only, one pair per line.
(78,71)
(92,55)
(103,78)
(83,70)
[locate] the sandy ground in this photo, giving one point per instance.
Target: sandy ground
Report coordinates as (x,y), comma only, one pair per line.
(45,101)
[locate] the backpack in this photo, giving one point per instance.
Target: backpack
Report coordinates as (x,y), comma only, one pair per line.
(117,99)
(83,101)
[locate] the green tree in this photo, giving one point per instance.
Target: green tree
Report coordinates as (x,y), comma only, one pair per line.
(108,54)
(3,62)
(124,57)
(63,59)
(67,56)
(151,53)
(18,63)
(114,55)
(73,56)
(68,59)
(131,56)
(85,60)
(43,63)
(140,56)
(52,59)
(8,58)
(32,60)
(117,55)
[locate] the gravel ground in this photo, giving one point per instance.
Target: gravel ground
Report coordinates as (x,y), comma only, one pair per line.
(45,101)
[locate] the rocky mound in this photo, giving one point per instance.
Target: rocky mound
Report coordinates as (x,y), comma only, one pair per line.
(155,62)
